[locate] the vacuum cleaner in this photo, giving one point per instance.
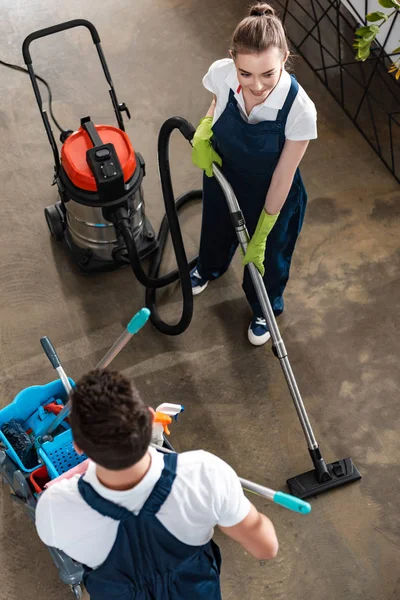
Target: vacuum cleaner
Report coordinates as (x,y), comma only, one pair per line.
(101,212)
(324,476)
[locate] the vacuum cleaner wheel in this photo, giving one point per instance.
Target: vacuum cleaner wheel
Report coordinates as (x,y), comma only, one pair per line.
(55,221)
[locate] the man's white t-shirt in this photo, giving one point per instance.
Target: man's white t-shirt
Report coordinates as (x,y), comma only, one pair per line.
(301,123)
(206,492)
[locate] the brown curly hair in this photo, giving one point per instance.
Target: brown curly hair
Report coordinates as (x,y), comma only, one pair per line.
(109,420)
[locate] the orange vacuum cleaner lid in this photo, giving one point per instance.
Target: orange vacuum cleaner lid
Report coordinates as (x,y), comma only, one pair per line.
(73,155)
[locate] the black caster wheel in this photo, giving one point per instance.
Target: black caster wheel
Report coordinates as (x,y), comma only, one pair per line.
(55,221)
(77,591)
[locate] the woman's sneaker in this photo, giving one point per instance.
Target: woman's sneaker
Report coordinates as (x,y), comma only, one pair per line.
(258,332)
(198,283)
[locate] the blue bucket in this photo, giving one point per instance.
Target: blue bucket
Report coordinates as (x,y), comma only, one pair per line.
(24,408)
(59,455)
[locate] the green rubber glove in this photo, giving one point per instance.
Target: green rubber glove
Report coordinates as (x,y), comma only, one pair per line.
(255,252)
(203,154)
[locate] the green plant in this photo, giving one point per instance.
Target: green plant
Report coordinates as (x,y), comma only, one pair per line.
(366,35)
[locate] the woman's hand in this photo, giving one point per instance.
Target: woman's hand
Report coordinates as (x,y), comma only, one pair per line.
(203,154)
(255,252)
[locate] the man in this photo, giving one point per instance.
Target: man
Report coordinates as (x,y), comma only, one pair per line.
(142,522)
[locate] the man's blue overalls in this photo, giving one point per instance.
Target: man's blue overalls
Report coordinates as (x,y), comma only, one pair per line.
(250,154)
(147,562)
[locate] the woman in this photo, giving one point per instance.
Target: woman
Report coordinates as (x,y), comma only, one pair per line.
(258,128)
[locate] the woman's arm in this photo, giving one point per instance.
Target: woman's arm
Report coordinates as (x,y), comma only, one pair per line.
(211,110)
(282,178)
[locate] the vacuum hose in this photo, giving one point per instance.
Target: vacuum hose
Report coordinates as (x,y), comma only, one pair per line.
(170,223)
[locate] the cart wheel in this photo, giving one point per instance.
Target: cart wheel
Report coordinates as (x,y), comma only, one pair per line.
(55,221)
(77,591)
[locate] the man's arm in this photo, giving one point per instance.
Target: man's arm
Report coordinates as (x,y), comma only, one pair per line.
(256,534)
(235,515)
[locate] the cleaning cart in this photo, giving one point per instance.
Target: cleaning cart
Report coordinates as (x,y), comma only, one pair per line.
(37,446)
(36,443)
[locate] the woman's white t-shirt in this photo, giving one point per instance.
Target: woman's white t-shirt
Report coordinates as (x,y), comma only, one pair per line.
(301,123)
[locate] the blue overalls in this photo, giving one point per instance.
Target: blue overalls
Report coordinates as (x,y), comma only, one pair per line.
(147,562)
(250,153)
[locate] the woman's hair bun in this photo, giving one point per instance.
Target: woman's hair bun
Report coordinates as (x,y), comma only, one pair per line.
(261,9)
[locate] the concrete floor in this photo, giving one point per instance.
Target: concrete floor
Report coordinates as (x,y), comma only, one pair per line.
(341,322)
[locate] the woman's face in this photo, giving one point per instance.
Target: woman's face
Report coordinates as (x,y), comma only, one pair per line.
(258,74)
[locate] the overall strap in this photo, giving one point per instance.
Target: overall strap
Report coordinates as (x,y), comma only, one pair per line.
(101,505)
(163,486)
(232,96)
(284,111)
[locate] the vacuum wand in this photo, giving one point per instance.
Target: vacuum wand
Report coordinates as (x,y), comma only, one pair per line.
(134,325)
(243,237)
(324,476)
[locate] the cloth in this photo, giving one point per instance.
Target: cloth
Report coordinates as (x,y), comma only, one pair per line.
(301,123)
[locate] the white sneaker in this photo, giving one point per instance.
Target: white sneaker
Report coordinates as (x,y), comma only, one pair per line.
(198,283)
(258,332)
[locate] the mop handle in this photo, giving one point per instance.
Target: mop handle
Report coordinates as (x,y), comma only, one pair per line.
(134,325)
(55,362)
(285,500)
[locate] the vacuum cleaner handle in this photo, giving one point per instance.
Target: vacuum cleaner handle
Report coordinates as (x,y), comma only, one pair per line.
(118,108)
(56,29)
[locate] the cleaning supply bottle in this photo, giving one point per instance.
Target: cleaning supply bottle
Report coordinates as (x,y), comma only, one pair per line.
(162,419)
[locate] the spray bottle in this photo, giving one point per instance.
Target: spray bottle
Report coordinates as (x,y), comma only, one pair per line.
(163,417)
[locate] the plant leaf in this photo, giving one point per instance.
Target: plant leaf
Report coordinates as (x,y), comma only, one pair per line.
(364,30)
(363,43)
(398,74)
(376,16)
(396,50)
(368,32)
(374,28)
(387,3)
(370,37)
(363,53)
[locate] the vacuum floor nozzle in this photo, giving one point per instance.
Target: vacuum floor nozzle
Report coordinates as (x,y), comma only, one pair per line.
(306,485)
